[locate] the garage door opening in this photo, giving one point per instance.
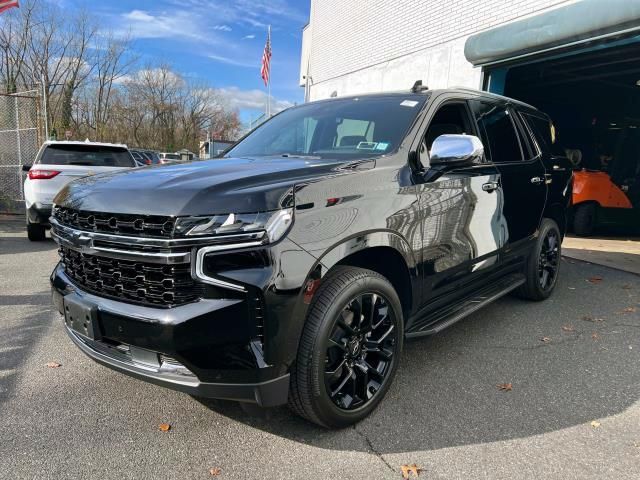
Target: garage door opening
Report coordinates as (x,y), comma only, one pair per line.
(594,100)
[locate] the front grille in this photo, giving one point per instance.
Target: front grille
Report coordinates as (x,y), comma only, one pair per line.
(132,281)
(116,223)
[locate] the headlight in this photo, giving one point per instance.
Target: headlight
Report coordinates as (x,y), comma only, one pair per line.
(274,224)
(241,231)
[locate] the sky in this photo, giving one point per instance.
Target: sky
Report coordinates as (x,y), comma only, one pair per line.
(219,42)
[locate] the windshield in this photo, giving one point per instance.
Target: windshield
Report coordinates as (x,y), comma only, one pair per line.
(89,155)
(351,128)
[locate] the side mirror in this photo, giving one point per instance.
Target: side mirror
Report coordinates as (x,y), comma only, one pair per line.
(456,150)
(26,168)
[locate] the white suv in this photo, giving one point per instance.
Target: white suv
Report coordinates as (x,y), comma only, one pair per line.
(56,164)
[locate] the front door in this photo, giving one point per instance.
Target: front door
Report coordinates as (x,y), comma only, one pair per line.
(461,209)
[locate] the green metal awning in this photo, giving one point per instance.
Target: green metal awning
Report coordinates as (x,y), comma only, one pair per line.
(573,24)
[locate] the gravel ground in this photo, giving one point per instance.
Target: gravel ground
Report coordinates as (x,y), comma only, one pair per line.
(443,413)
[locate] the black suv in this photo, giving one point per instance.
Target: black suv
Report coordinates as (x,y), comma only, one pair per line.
(292,269)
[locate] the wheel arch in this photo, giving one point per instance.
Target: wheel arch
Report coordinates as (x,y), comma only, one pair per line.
(558,214)
(384,252)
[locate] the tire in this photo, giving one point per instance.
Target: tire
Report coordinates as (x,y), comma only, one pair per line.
(543,258)
(327,358)
(584,219)
(35,232)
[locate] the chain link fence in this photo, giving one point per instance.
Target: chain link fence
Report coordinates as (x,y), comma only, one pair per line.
(20,138)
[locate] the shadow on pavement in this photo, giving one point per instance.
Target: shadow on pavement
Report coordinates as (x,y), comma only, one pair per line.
(12,224)
(19,336)
(446,395)
(13,239)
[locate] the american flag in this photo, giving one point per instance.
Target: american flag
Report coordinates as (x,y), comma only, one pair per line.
(265,71)
(7,4)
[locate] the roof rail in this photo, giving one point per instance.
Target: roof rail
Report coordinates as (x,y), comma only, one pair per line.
(418,87)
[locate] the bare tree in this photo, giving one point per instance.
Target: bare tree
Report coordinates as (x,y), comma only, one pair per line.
(89,83)
(113,64)
(15,37)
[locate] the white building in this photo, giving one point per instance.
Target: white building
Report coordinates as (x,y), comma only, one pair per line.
(362,46)
(359,46)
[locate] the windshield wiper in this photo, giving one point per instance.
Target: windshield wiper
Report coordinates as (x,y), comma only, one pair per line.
(297,155)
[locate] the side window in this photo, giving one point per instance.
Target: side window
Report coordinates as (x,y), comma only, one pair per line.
(541,128)
(450,119)
(498,132)
(530,147)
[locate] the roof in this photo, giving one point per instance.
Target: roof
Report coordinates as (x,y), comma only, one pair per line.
(422,93)
(495,96)
(97,144)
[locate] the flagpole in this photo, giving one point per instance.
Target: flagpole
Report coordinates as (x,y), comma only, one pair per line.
(269,79)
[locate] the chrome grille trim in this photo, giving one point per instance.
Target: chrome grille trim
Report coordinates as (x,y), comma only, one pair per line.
(169,258)
(198,270)
(115,357)
(66,231)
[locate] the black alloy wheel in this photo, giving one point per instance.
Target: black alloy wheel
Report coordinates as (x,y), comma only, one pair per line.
(349,349)
(543,265)
(549,259)
(360,352)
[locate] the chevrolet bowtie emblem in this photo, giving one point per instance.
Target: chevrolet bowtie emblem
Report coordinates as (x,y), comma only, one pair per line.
(80,240)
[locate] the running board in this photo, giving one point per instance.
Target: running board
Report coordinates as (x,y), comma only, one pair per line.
(449,315)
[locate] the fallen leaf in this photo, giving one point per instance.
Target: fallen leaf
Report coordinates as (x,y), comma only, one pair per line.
(627,287)
(595,424)
(629,310)
(595,336)
(568,328)
(545,339)
(587,318)
(53,364)
(164,427)
(407,469)
(506,387)
(214,472)
(594,279)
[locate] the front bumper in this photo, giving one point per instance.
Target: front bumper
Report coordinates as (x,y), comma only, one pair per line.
(39,213)
(199,348)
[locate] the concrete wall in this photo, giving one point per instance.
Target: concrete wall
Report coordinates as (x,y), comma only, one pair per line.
(363,46)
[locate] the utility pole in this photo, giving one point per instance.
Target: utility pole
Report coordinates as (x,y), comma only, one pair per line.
(44,107)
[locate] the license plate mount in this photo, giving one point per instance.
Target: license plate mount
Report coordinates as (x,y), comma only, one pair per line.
(81,316)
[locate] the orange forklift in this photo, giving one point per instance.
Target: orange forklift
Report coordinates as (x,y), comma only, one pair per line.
(606,189)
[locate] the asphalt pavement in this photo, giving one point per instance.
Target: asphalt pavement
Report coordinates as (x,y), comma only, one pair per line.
(573,411)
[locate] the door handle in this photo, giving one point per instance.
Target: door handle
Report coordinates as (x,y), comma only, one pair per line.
(558,168)
(490,186)
(537,180)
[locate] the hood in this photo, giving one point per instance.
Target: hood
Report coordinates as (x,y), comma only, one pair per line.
(219,186)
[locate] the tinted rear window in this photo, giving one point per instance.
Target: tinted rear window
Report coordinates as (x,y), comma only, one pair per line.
(541,128)
(89,155)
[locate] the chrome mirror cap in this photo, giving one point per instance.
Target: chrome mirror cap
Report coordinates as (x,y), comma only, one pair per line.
(456,149)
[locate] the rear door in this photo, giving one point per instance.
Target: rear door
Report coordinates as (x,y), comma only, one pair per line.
(521,170)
